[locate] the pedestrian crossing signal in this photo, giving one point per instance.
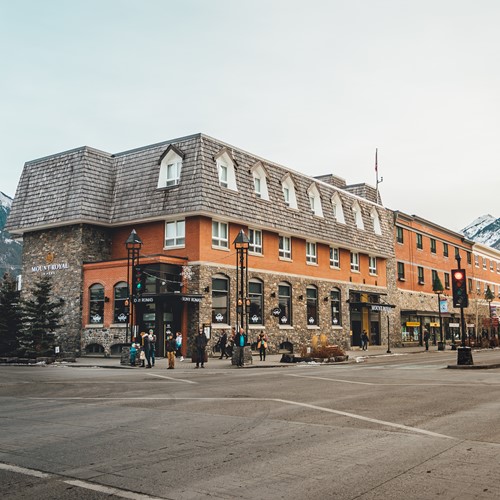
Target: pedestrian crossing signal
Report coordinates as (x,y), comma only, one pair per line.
(459,288)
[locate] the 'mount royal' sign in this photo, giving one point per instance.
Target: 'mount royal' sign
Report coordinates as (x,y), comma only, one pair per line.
(47,268)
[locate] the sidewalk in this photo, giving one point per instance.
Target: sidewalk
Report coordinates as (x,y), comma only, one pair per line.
(272,360)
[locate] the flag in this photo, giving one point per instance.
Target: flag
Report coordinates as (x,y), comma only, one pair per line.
(376,163)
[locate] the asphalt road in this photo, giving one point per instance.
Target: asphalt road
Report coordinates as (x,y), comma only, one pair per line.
(395,427)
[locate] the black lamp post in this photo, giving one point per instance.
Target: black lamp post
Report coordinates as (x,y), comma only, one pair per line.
(464,353)
(488,295)
(437,287)
(241,244)
(133,245)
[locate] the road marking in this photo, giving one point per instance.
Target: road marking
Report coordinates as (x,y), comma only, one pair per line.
(242,399)
(23,470)
(78,483)
(110,491)
(172,378)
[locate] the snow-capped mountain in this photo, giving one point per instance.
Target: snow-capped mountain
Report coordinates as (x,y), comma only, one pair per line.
(10,250)
(484,230)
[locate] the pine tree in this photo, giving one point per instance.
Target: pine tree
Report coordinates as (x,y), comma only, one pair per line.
(41,319)
(10,316)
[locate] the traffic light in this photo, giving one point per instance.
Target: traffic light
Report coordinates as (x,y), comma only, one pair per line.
(459,287)
(139,280)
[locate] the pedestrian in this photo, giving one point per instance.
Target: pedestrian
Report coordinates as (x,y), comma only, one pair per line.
(147,348)
(223,343)
(364,341)
(142,357)
(178,346)
(240,345)
(426,339)
(133,354)
(262,345)
(200,343)
(171,348)
(152,346)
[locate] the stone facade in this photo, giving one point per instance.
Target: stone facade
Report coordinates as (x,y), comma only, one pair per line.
(60,253)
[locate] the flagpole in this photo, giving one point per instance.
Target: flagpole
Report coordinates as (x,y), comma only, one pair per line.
(377,179)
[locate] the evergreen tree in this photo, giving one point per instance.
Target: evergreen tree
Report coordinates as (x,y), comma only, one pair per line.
(10,316)
(41,319)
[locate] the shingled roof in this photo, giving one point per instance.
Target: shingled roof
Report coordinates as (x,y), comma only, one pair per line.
(90,186)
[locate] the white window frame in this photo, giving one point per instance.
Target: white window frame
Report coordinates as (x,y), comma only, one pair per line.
(219,241)
(226,170)
(315,200)
(260,181)
(255,246)
(358,218)
(355,262)
(285,247)
(290,196)
(335,257)
(372,264)
(311,252)
(338,211)
(177,238)
(165,179)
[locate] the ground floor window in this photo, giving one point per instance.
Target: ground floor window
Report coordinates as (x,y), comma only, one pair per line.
(220,299)
(312,305)
(285,303)
(255,294)
(96,309)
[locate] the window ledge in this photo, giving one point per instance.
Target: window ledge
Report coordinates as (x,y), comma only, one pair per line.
(118,325)
(95,325)
(285,259)
(312,264)
(285,327)
(256,254)
(217,326)
(174,247)
(168,188)
(312,327)
(335,267)
(225,249)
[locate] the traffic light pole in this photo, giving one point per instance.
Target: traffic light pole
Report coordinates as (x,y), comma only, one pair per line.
(464,353)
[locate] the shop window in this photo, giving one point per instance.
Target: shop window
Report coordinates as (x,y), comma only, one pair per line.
(220,299)
(256,296)
(120,314)
(285,303)
(335,304)
(312,305)
(96,304)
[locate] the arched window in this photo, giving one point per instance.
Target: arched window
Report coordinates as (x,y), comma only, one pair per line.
(312,305)
(220,299)
(376,221)
(285,303)
(96,304)
(338,211)
(315,200)
(289,191)
(256,296)
(358,219)
(120,314)
(336,310)
(260,181)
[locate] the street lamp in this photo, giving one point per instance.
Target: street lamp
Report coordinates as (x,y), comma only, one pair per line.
(489,296)
(133,245)
(437,287)
(241,244)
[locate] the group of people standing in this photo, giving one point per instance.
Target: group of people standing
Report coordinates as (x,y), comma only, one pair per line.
(145,350)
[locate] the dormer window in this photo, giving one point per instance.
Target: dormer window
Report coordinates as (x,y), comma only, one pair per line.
(358,219)
(338,211)
(376,221)
(170,167)
(289,191)
(260,181)
(226,169)
(315,200)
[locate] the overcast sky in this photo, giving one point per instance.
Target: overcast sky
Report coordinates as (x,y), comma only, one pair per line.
(313,85)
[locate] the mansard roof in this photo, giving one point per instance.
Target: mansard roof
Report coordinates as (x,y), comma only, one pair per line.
(89,186)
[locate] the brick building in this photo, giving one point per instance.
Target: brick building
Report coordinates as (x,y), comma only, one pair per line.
(321,256)
(424,251)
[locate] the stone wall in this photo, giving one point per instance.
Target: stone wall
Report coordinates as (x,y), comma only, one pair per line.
(60,253)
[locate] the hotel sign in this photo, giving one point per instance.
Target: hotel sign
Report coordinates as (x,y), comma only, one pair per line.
(50,267)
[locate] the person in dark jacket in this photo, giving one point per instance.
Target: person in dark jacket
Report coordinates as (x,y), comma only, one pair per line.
(200,343)
(223,343)
(171,348)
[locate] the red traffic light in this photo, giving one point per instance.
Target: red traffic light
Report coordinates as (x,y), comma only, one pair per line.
(458,275)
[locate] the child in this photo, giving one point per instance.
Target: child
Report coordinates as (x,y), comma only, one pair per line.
(133,354)
(142,357)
